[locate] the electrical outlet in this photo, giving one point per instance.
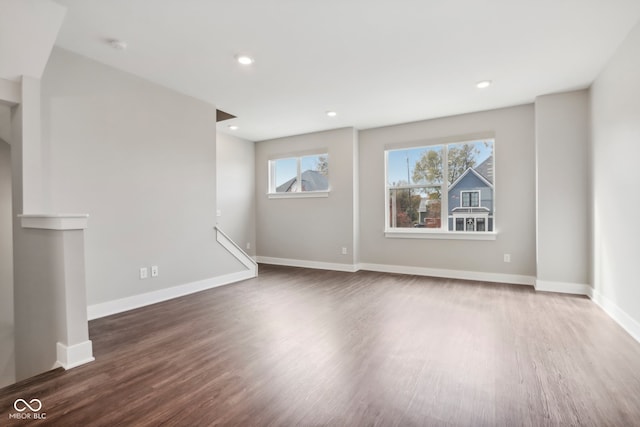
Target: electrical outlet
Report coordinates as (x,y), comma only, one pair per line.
(144,272)
(154,271)
(507,257)
(248,245)
(218,213)
(344,250)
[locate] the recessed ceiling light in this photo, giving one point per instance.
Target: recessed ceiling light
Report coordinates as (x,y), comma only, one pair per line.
(245,60)
(233,127)
(483,84)
(118,44)
(331,113)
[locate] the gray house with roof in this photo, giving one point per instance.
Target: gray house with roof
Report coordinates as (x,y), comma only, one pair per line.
(471,199)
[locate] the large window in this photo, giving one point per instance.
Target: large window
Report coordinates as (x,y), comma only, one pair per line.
(448,187)
(304,174)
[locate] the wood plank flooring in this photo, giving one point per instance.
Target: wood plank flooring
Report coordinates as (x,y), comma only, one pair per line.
(298,347)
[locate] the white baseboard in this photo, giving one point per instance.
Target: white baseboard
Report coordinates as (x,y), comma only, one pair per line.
(563,287)
(620,316)
(349,268)
(108,308)
(74,355)
(515,279)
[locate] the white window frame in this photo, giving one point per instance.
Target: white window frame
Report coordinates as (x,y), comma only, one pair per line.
(443,232)
(271,191)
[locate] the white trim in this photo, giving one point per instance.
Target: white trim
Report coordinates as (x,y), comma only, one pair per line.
(108,308)
(459,139)
(413,233)
(235,250)
(74,355)
(620,316)
(349,268)
(298,195)
(515,279)
(55,221)
(483,179)
(563,287)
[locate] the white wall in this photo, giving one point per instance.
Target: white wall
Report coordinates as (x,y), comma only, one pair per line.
(141,160)
(615,133)
(562,141)
(235,169)
(514,197)
(7,355)
(310,229)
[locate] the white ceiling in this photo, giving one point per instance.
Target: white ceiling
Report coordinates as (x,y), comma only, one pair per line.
(28,29)
(375,62)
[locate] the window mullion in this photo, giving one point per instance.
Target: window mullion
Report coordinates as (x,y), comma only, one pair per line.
(299,174)
(444,202)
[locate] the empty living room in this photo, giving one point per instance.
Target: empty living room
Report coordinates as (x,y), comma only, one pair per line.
(336,213)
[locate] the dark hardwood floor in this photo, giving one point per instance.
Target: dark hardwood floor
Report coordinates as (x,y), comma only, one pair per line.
(298,347)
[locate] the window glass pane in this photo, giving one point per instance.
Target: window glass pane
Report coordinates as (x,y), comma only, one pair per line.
(430,209)
(415,207)
(471,181)
(421,165)
(315,173)
(285,173)
(466,200)
(476,155)
(475,199)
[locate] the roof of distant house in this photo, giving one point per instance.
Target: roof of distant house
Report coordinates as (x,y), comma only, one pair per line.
(486,169)
(311,181)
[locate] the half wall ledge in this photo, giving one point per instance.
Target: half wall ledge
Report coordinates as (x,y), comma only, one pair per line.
(55,221)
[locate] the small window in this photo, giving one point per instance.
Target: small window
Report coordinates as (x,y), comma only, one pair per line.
(470,199)
(302,174)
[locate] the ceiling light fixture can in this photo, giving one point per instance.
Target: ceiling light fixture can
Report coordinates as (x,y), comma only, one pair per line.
(483,84)
(331,113)
(245,60)
(233,127)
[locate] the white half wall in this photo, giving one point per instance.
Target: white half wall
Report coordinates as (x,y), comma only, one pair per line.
(236,190)
(562,188)
(615,150)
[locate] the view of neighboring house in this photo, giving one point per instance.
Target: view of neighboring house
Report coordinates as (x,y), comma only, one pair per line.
(470,201)
(311,181)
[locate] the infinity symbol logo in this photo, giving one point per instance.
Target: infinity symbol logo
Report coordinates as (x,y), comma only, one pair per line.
(21,405)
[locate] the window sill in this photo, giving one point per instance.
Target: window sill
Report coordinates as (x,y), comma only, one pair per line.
(302,195)
(442,235)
